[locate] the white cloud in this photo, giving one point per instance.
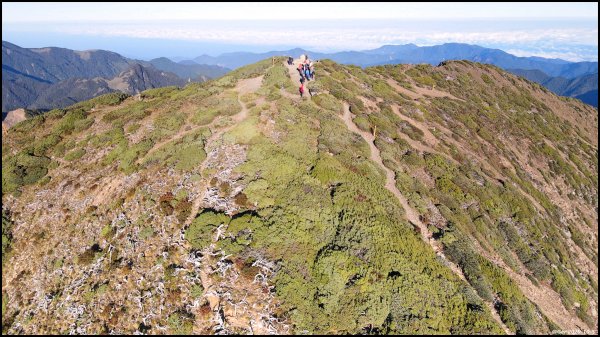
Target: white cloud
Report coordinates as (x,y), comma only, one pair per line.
(565,55)
(558,37)
(336,38)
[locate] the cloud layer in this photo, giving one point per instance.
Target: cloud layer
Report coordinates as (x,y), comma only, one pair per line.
(572,43)
(571,40)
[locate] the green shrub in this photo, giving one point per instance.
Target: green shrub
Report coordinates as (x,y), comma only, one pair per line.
(107,231)
(7,237)
(159,92)
(180,324)
(75,154)
(113,98)
(200,232)
(132,112)
(487,79)
(68,123)
(22,169)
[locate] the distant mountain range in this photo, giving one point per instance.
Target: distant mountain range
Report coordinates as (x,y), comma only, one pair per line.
(583,87)
(47,78)
(131,81)
(410,53)
(189,69)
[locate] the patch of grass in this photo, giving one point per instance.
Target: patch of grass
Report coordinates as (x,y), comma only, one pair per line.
(487,79)
(196,291)
(70,122)
(425,81)
(132,128)
(204,116)
(146,233)
(75,154)
(159,92)
(110,99)
(131,113)
(184,154)
(244,132)
(167,124)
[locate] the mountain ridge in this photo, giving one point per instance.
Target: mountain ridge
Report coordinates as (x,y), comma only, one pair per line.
(236,206)
(412,54)
(36,77)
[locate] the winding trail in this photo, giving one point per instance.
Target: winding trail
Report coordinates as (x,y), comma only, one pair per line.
(546,299)
(177,136)
(240,315)
(207,283)
(390,176)
(295,77)
(243,87)
(411,214)
(421,92)
(293,70)
(428,137)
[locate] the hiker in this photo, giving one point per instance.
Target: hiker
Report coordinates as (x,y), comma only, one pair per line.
(301,69)
(307,71)
(290,60)
(301,89)
(311,66)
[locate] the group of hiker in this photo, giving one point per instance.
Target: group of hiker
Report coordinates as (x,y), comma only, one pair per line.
(306,69)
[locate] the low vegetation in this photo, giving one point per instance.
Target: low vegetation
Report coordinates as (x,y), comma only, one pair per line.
(157,214)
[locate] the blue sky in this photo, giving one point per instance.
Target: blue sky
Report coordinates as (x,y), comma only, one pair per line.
(564,30)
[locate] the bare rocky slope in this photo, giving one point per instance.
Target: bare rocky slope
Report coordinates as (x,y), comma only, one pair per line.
(398,199)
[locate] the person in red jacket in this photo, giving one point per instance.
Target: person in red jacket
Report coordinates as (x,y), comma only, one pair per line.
(301,89)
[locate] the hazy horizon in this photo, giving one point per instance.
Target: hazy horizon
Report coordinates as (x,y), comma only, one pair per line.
(566,31)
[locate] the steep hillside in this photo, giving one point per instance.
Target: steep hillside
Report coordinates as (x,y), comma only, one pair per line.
(399,199)
(573,79)
(131,81)
(56,64)
(590,97)
(51,77)
(581,87)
